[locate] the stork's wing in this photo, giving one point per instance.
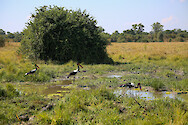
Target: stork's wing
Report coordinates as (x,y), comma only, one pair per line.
(34,70)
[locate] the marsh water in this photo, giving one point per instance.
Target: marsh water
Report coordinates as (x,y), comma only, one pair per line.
(64,86)
(146,95)
(58,90)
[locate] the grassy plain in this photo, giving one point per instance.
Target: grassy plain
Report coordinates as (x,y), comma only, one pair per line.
(157,66)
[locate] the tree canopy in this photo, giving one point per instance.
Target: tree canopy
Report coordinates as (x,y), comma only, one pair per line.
(56,33)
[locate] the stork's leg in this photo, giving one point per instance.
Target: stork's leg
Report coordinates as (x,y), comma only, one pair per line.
(74,80)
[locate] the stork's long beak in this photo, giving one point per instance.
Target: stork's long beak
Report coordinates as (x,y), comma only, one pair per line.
(80,65)
(37,66)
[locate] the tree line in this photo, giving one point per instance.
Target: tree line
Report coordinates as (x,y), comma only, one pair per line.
(137,34)
(6,36)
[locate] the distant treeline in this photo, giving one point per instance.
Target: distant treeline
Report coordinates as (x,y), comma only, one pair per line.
(137,34)
(8,36)
(16,36)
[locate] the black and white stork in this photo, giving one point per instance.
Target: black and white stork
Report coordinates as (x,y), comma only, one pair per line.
(32,71)
(131,85)
(75,71)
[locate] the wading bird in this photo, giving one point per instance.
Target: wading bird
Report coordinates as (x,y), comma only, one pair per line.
(75,71)
(131,85)
(32,71)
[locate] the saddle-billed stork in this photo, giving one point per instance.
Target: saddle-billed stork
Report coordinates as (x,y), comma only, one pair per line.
(130,85)
(32,71)
(75,71)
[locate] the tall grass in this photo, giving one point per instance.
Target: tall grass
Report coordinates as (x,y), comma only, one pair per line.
(164,61)
(101,106)
(173,53)
(14,66)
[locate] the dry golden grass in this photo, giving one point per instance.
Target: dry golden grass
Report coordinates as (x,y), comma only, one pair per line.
(121,52)
(148,51)
(8,53)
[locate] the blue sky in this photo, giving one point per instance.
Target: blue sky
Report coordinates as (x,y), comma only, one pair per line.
(110,14)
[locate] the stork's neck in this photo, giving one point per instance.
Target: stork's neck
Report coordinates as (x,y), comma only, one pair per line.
(78,68)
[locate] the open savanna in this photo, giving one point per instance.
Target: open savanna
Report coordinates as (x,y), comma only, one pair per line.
(157,66)
(173,53)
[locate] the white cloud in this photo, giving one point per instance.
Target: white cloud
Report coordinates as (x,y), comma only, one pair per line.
(167,20)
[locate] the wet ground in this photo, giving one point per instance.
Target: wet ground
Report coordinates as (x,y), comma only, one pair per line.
(149,95)
(60,87)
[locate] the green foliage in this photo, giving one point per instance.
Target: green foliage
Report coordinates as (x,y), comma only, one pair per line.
(3,92)
(10,35)
(2,41)
(138,28)
(23,105)
(106,37)
(101,106)
(157,84)
(18,37)
(156,27)
(160,36)
(62,35)
(9,92)
(179,39)
(2,32)
(136,34)
(114,36)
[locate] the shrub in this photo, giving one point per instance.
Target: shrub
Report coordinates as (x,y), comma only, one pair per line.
(2,41)
(179,39)
(10,91)
(62,35)
(2,92)
(160,36)
(157,84)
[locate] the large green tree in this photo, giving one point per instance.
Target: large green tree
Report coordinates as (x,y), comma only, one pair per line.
(140,28)
(114,36)
(55,33)
(156,27)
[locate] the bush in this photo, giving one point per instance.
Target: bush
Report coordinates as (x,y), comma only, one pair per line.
(179,39)
(2,41)
(2,92)
(157,84)
(160,36)
(62,35)
(10,91)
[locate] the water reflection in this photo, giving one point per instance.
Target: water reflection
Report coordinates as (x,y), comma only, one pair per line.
(54,89)
(145,95)
(114,76)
